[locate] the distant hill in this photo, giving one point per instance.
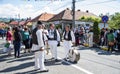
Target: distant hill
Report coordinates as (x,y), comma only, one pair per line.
(4,19)
(8,19)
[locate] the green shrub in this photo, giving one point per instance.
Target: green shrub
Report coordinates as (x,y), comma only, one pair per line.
(96,32)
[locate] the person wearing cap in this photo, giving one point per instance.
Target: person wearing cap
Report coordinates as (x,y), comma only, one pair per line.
(38,45)
(53,38)
(68,40)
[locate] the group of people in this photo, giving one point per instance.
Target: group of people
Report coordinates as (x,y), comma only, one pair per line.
(18,36)
(39,38)
(83,35)
(110,38)
(42,38)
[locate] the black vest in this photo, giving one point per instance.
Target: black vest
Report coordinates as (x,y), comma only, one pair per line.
(34,36)
(69,36)
(55,35)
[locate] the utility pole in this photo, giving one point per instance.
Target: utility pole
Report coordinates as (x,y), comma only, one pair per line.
(73,13)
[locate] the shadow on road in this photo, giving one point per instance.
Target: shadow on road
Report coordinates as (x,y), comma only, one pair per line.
(21,66)
(21,59)
(99,51)
(50,62)
(29,72)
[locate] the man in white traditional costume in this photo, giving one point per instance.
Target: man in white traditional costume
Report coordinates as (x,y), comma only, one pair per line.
(38,47)
(69,39)
(53,38)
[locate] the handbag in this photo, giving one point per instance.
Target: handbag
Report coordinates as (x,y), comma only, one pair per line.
(7,45)
(111,43)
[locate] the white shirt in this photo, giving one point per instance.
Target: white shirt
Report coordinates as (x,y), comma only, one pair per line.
(51,34)
(72,35)
(40,37)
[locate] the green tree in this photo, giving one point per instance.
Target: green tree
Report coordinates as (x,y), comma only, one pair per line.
(114,21)
(96,31)
(90,19)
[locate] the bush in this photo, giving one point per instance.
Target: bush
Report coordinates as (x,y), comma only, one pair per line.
(96,32)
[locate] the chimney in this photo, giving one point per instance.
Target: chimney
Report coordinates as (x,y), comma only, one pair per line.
(67,9)
(78,10)
(87,11)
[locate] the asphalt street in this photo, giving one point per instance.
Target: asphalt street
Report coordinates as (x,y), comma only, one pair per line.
(92,61)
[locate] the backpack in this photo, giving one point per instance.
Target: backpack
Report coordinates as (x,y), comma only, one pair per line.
(34,36)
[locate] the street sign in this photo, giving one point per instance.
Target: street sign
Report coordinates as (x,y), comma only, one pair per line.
(105,18)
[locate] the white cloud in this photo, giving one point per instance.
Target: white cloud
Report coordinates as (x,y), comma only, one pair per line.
(28,10)
(9,10)
(33,10)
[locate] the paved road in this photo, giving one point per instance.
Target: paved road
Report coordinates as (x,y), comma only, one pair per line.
(92,61)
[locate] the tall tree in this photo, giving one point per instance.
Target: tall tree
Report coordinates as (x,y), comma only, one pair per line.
(114,21)
(96,31)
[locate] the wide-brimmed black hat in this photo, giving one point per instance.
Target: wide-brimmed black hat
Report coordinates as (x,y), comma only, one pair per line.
(39,22)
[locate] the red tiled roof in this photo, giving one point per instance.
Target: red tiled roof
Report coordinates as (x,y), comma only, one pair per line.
(27,22)
(14,23)
(67,15)
(43,17)
(22,22)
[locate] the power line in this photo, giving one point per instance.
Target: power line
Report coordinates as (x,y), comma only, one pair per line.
(66,4)
(98,2)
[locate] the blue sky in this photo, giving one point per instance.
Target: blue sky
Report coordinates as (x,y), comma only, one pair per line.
(32,8)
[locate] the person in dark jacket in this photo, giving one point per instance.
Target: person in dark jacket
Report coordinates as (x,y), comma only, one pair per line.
(26,39)
(111,40)
(118,41)
(77,35)
(17,42)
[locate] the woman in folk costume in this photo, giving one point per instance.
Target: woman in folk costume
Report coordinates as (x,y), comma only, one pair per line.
(69,38)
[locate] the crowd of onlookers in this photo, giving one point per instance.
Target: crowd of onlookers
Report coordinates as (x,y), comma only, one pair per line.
(22,36)
(40,38)
(18,36)
(110,38)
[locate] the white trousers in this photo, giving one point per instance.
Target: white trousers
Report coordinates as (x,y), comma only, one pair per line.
(53,48)
(67,46)
(91,40)
(39,60)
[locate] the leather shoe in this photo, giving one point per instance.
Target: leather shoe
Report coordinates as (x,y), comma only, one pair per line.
(46,70)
